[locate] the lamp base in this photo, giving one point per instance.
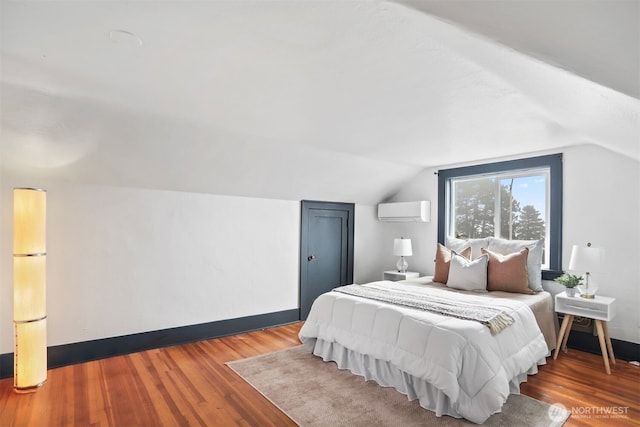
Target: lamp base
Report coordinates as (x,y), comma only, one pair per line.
(402,265)
(30,389)
(588,291)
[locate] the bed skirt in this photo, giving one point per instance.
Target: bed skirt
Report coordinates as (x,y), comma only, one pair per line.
(386,374)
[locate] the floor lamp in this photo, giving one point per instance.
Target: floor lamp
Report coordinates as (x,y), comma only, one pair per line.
(29,288)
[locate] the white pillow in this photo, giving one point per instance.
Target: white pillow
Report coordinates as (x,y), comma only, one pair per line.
(534,260)
(468,275)
(476,244)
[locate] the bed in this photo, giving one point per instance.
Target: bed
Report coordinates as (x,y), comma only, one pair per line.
(452,365)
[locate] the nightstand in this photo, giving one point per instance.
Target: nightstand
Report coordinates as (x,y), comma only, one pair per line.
(395,275)
(600,309)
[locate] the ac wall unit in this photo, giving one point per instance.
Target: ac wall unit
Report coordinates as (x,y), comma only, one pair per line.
(405,211)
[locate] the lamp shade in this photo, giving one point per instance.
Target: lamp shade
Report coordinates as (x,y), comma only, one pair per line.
(29,221)
(402,247)
(587,259)
(29,288)
(30,370)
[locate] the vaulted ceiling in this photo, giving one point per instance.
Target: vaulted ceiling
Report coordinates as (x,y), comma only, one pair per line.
(327,100)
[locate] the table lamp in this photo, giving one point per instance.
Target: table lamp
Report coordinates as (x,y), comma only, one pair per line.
(589,260)
(402,248)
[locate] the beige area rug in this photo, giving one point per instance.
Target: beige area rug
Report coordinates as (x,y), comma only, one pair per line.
(314,393)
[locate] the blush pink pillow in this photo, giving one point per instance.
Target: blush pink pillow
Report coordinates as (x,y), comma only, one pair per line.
(508,273)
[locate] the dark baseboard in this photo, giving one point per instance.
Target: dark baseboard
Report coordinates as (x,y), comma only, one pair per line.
(6,365)
(69,354)
(622,350)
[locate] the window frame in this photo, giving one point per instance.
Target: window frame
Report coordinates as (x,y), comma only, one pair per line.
(552,161)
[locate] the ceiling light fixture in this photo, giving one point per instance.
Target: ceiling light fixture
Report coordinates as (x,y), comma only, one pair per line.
(125,37)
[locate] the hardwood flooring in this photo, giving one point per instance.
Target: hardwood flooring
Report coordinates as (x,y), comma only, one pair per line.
(191,385)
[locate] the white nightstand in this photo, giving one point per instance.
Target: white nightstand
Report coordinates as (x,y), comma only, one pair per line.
(395,275)
(600,309)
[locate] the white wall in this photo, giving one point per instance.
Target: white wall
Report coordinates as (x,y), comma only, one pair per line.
(601,205)
(123,260)
(371,248)
(127,260)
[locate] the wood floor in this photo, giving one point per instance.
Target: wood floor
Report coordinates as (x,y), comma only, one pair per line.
(191,385)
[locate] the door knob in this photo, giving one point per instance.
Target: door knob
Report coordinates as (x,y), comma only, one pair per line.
(311,257)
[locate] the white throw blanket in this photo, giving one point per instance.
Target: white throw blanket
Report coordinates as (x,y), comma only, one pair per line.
(472,371)
(493,318)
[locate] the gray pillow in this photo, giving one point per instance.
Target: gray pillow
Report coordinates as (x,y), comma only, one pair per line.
(468,275)
(475,244)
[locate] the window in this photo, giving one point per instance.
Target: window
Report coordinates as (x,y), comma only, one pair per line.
(510,205)
(515,200)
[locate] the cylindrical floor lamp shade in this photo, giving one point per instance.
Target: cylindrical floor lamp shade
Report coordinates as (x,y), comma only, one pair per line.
(29,288)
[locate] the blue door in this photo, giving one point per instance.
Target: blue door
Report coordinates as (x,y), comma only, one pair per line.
(326,250)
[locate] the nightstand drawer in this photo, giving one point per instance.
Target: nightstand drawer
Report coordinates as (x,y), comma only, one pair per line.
(600,308)
(394,276)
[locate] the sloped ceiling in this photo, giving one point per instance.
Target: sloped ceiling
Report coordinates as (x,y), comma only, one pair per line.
(342,101)
(595,39)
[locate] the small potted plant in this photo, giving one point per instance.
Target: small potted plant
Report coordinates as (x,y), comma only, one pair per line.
(570,281)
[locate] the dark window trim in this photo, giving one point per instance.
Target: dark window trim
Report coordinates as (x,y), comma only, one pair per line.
(552,161)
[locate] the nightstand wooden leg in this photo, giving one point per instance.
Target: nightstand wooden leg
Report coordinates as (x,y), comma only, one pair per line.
(605,326)
(566,334)
(603,346)
(561,334)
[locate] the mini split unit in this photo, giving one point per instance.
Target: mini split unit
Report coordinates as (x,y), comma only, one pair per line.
(405,212)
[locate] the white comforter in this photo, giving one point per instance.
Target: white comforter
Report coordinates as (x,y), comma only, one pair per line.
(460,358)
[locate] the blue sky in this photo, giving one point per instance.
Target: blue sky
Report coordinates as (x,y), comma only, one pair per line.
(530,190)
